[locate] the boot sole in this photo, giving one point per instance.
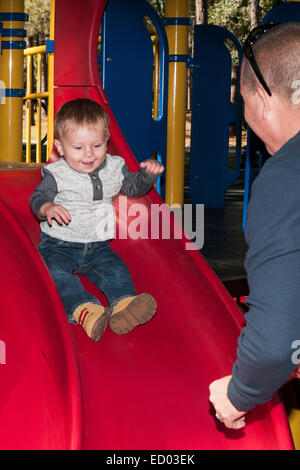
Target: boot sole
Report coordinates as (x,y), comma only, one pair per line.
(100,325)
(141,310)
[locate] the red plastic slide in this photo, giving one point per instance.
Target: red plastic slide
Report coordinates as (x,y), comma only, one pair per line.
(144,390)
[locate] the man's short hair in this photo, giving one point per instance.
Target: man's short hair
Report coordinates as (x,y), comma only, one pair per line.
(80,112)
(277,53)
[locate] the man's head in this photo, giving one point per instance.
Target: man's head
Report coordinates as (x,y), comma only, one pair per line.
(81,129)
(277,55)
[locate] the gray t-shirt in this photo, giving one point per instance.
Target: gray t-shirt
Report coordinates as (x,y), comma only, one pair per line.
(87,197)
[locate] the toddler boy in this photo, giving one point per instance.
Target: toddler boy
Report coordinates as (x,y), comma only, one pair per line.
(70,202)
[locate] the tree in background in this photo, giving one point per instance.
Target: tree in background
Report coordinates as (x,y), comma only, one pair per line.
(38,25)
(201,11)
(239,16)
(254,12)
(236,15)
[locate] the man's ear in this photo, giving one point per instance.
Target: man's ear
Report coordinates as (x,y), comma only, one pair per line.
(265,102)
(58,147)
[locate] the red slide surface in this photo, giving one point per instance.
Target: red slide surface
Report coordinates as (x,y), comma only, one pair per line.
(144,390)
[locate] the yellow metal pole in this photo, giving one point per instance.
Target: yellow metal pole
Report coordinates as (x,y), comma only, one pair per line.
(28,108)
(178,48)
(11,79)
(50,129)
(156,76)
(294,421)
(38,158)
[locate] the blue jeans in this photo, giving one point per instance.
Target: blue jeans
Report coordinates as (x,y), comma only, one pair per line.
(97,261)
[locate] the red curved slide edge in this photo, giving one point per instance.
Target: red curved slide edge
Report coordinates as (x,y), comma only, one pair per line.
(40,393)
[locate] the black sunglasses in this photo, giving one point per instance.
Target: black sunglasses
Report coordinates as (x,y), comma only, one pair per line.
(254,35)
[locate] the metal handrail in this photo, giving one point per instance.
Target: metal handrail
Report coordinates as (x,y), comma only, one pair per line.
(29,53)
(39,95)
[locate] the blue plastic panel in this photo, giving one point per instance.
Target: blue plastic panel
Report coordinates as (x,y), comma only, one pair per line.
(289,11)
(127,75)
(212,114)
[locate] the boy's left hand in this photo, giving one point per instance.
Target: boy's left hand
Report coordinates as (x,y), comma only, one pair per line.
(152,166)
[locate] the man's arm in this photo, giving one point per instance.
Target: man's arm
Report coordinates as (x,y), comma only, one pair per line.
(265,350)
(264,356)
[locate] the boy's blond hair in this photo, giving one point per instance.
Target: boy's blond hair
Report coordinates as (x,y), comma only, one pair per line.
(80,112)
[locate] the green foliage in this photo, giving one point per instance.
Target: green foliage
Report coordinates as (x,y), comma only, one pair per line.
(159,6)
(234,15)
(39,18)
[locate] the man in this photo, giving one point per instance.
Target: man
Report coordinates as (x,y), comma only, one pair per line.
(267,353)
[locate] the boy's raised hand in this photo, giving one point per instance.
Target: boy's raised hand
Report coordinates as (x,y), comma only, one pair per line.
(152,166)
(55,211)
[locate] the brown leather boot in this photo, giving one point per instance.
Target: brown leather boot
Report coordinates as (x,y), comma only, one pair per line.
(93,318)
(131,312)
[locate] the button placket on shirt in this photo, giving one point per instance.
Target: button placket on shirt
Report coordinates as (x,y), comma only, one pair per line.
(97,187)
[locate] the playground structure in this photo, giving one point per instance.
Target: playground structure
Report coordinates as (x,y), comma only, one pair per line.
(148,389)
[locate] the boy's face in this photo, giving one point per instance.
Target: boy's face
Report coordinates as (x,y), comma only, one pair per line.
(84,147)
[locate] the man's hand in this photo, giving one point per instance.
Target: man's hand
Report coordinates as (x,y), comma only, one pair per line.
(55,211)
(296,373)
(225,411)
(152,166)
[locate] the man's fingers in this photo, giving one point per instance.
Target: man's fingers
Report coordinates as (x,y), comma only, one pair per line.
(232,423)
(237,424)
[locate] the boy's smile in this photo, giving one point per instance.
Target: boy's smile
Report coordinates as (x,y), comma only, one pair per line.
(84,148)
